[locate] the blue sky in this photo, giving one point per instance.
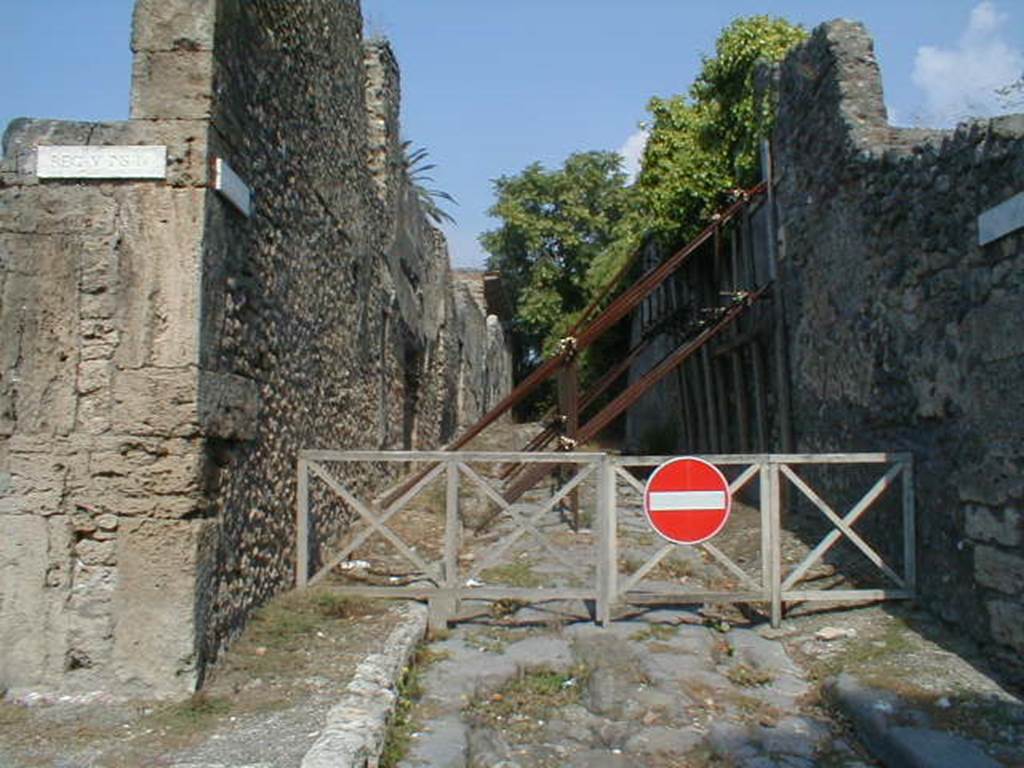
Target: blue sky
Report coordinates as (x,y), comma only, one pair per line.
(492,85)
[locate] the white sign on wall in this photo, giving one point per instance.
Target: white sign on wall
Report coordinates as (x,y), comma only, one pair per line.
(1001,220)
(78,162)
(230,184)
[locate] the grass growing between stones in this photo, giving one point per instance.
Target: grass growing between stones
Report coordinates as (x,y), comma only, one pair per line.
(198,712)
(410,690)
(523,705)
(748,676)
(516,574)
(655,633)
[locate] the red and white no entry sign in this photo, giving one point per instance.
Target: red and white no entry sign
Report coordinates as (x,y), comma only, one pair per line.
(687,500)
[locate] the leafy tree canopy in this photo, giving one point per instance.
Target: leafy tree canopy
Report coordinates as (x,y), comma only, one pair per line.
(705,144)
(554,223)
(564,233)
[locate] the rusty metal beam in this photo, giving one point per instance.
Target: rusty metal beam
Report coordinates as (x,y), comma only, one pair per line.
(536,472)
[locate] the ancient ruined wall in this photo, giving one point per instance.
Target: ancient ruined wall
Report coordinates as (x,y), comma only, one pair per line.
(101,454)
(165,356)
(903,332)
(485,360)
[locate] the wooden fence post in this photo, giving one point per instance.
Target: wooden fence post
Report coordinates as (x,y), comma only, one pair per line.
(909,534)
(607,543)
(775,502)
(443,606)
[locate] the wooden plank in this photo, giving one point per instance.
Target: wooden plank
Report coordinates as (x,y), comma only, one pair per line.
(697,394)
(689,430)
(756,331)
(850,518)
(607,543)
(756,458)
(656,596)
(779,347)
(498,551)
(549,457)
(760,402)
(730,566)
(369,530)
(714,438)
(451,525)
(743,478)
(372,519)
(536,595)
(739,386)
(594,457)
(721,401)
(302,527)
(632,481)
(846,595)
(909,534)
(570,380)
(846,530)
(775,528)
(652,562)
(764,493)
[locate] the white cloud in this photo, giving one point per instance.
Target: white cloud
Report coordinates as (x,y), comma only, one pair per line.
(961,81)
(632,152)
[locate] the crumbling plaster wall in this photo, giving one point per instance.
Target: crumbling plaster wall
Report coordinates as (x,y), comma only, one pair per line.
(903,333)
(164,357)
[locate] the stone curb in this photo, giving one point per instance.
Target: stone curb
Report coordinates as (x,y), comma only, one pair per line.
(879,718)
(354,733)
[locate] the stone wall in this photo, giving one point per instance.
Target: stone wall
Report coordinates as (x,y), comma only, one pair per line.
(902,331)
(165,356)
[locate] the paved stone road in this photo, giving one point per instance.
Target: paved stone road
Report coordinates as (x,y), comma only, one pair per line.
(656,691)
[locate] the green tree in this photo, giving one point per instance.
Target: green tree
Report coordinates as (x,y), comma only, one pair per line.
(554,223)
(705,144)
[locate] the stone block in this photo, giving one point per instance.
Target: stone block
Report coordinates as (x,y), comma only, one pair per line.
(160,277)
(95,552)
(23,596)
(1000,570)
(156,401)
(57,209)
(172,25)
(186,142)
(228,405)
(1007,623)
(990,525)
(37,484)
(94,375)
(172,85)
(144,477)
(156,634)
(39,327)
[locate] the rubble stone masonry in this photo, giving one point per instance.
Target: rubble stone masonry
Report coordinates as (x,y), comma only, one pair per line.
(163,357)
(903,332)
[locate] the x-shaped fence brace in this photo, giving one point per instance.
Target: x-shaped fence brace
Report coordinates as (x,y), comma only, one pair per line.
(444,577)
(644,570)
(444,571)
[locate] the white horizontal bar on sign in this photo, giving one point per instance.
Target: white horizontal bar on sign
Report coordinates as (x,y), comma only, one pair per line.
(1001,220)
(667,501)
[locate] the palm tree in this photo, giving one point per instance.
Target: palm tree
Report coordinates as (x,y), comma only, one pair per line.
(416,167)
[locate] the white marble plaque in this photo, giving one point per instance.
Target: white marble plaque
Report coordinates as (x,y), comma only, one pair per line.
(230,184)
(127,162)
(1001,220)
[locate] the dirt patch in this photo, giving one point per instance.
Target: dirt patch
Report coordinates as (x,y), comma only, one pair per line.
(293,660)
